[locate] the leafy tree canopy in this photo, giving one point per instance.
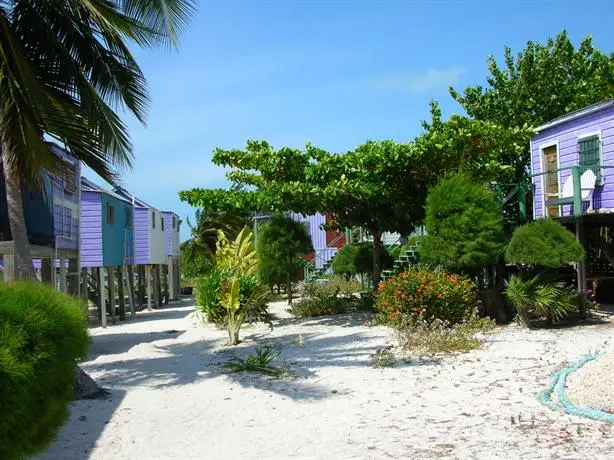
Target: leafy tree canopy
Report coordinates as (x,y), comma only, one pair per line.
(464,224)
(541,83)
(543,242)
(483,149)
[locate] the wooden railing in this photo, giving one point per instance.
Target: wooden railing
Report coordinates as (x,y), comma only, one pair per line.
(576,199)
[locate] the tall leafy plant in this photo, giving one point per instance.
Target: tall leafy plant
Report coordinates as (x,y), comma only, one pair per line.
(239,265)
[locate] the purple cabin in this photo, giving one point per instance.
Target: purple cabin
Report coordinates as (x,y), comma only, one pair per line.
(572,169)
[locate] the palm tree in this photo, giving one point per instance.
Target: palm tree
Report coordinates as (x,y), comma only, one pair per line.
(65,70)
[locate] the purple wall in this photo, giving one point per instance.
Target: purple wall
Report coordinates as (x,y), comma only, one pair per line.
(566,135)
(91,229)
(141,236)
(318,237)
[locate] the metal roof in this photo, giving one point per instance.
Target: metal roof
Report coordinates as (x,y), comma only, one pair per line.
(89,186)
(577,114)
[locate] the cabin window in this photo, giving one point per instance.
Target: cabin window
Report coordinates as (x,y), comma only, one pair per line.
(110,214)
(162,223)
(128,217)
(590,155)
(153,219)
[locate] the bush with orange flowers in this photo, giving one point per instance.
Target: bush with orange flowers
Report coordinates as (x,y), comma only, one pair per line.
(427,294)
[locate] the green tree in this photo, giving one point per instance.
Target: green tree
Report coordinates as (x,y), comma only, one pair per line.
(380,186)
(543,82)
(543,243)
(66,68)
(344,262)
(280,244)
(464,225)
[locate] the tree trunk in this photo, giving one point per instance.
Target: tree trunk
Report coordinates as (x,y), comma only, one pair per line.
(289,288)
(377,260)
(23,258)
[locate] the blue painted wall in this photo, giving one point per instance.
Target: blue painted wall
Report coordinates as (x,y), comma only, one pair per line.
(118,236)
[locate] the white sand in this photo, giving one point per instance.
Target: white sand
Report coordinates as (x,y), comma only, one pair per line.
(170,399)
(591,385)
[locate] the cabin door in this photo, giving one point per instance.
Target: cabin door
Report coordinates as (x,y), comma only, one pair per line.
(551,179)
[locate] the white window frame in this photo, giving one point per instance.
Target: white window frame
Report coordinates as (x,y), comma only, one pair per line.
(542,147)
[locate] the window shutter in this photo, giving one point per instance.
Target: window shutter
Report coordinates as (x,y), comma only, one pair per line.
(590,156)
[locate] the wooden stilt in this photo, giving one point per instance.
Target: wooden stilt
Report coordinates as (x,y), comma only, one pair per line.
(130,283)
(148,281)
(63,284)
(9,268)
(581,265)
(172,292)
(84,286)
(101,295)
(120,293)
(48,272)
(111,283)
(141,289)
(157,290)
(165,283)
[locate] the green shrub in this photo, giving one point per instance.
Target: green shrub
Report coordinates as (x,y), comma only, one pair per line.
(326,299)
(433,337)
(464,225)
(208,298)
(428,294)
(543,242)
(535,299)
(42,334)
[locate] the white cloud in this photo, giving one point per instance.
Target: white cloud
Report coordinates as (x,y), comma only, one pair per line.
(429,80)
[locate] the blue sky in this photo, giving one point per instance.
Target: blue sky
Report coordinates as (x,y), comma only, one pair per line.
(334,73)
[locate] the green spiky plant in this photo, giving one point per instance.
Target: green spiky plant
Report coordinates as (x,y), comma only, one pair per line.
(238,261)
(259,362)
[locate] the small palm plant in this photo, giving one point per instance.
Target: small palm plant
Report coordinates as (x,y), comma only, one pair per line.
(239,262)
(535,299)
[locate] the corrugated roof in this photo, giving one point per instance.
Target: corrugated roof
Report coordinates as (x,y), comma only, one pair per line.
(577,114)
(89,186)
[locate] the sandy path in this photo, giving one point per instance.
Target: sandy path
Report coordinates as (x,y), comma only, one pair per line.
(171,401)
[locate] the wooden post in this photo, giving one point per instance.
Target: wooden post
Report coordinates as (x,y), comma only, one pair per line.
(120,293)
(157,286)
(9,268)
(73,279)
(63,285)
(84,286)
(166,284)
(101,294)
(130,282)
(581,265)
(172,292)
(141,288)
(577,192)
(48,272)
(148,281)
(111,282)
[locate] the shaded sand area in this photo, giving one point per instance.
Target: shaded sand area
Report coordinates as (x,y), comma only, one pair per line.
(170,398)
